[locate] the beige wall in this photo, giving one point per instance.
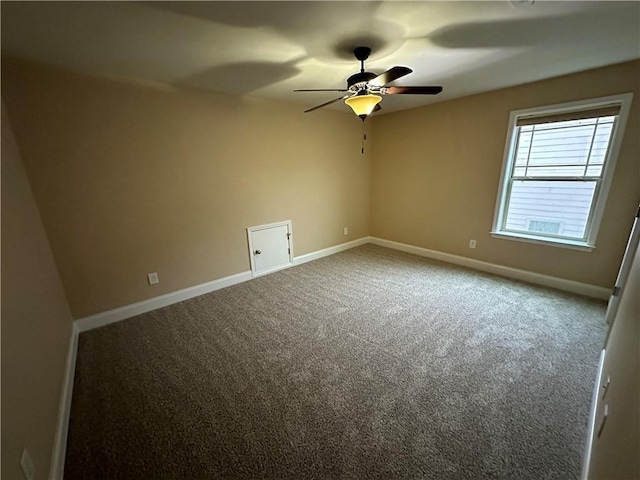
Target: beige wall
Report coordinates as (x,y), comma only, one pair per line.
(132,179)
(36,323)
(435,173)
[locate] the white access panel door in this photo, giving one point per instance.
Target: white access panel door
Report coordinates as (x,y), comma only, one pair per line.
(270,247)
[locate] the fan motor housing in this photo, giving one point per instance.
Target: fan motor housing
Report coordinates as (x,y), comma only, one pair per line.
(360,78)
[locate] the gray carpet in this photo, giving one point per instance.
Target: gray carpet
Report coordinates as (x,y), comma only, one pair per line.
(370,363)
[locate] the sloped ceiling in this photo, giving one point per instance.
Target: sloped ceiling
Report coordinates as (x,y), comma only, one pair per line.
(270,48)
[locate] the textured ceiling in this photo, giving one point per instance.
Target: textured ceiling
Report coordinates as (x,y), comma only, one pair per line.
(270,48)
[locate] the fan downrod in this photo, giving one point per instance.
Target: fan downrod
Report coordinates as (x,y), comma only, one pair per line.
(361,53)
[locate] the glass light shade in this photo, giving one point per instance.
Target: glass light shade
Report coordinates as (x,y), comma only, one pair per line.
(363,104)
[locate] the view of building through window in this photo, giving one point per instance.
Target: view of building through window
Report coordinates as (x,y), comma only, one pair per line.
(557,168)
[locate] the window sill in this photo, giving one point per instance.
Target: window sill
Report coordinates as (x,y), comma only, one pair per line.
(562,243)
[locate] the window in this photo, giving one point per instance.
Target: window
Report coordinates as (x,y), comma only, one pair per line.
(558,165)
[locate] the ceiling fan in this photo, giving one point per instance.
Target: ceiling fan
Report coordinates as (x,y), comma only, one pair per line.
(364,89)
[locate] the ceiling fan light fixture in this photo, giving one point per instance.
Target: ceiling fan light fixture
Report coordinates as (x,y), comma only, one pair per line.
(363,105)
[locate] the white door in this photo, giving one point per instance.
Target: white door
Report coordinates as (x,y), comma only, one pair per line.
(623,273)
(613,441)
(270,247)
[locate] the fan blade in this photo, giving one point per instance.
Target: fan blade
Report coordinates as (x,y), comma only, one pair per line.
(389,76)
(325,104)
(322,90)
(411,90)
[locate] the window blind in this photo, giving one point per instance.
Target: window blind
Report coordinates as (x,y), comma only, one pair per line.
(606,111)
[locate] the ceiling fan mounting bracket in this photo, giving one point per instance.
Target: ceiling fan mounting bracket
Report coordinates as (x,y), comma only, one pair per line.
(362,53)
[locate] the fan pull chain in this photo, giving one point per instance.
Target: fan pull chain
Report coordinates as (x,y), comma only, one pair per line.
(364,137)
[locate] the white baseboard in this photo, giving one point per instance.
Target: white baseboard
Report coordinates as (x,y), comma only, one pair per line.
(127,311)
(64,410)
(117,314)
(111,316)
(325,252)
(526,276)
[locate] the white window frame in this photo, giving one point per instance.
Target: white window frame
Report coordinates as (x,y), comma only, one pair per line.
(601,193)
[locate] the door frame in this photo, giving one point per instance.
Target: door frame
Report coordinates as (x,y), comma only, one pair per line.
(250,230)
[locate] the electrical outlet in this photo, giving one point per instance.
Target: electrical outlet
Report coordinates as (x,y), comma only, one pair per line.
(27,465)
(472,244)
(346,230)
(153,278)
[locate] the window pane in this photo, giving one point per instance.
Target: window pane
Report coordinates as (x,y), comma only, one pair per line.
(594,170)
(562,149)
(550,207)
(601,143)
(524,140)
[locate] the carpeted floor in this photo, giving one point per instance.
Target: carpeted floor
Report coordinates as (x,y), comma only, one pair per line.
(370,363)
